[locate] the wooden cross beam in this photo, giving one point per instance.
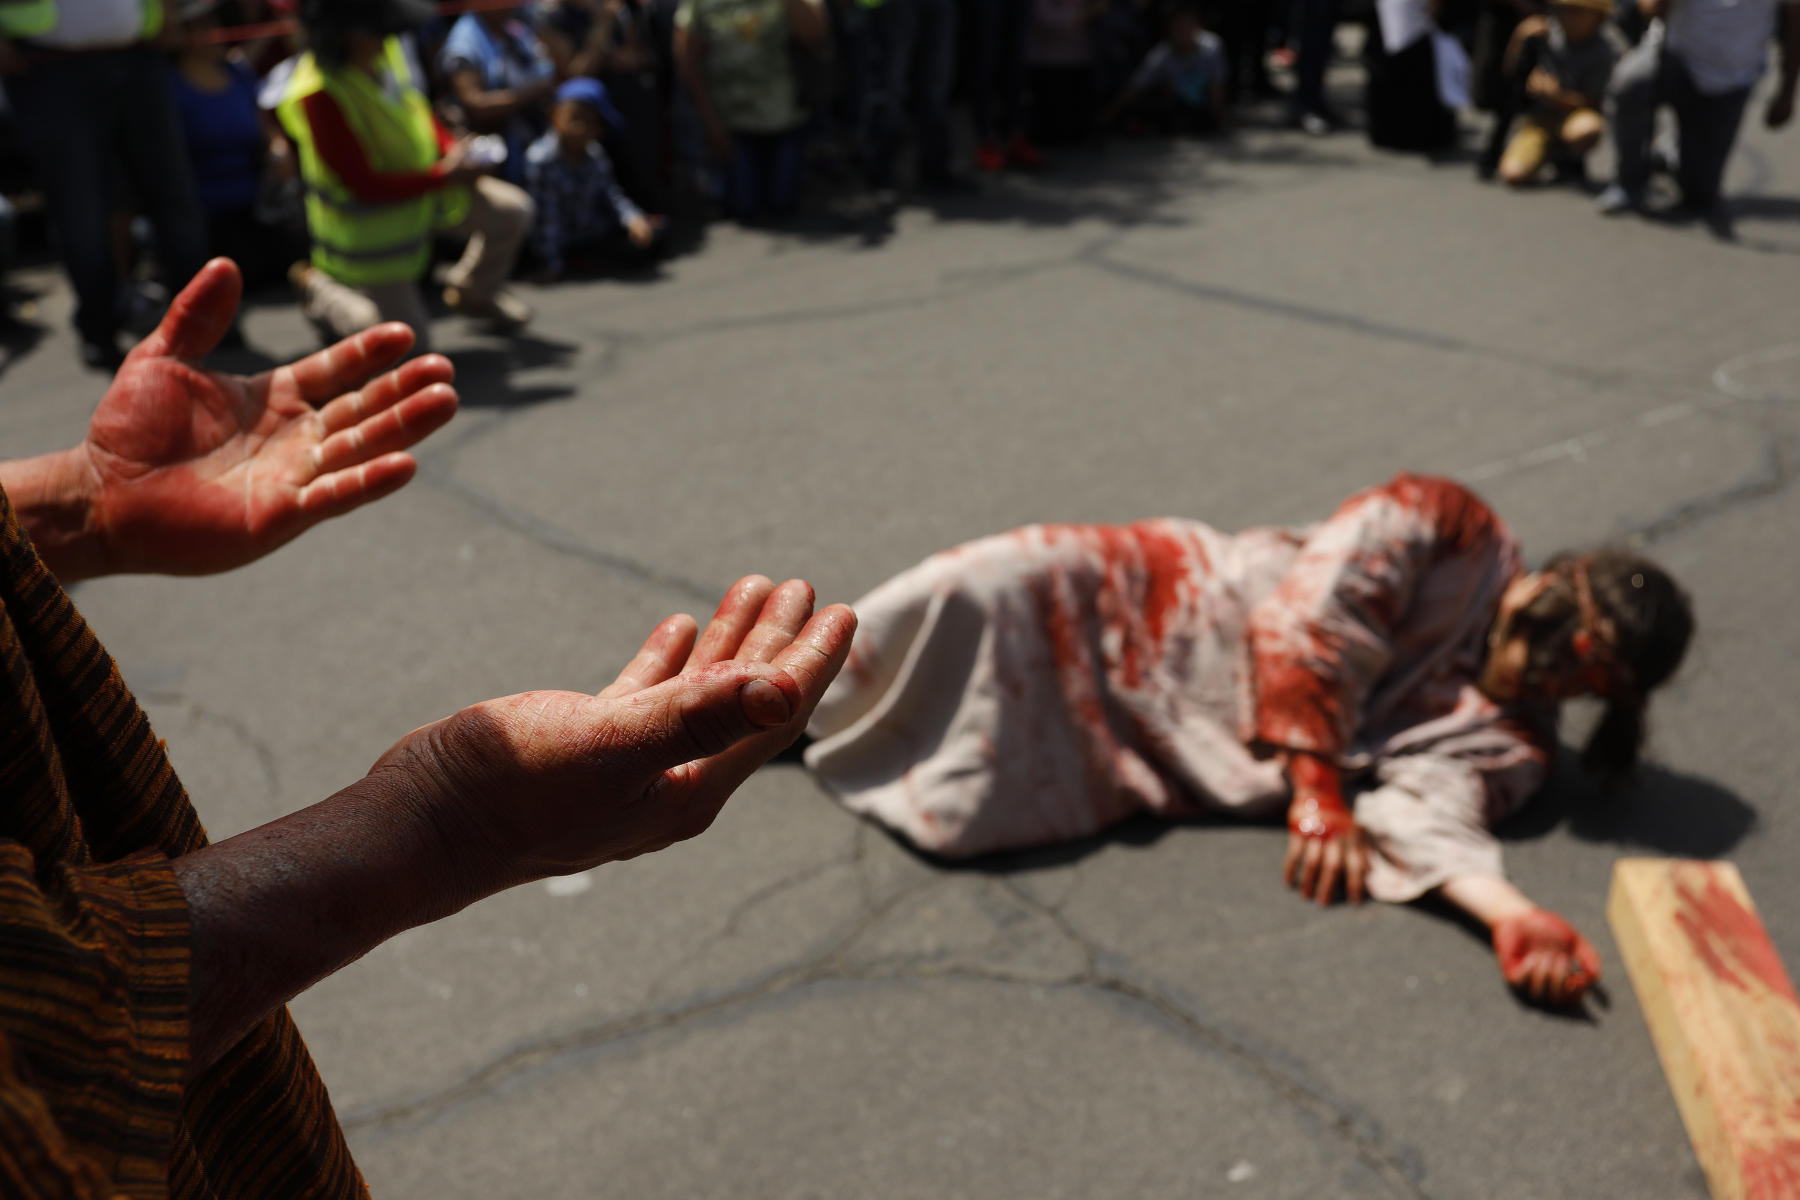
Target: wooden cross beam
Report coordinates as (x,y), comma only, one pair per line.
(1723,1014)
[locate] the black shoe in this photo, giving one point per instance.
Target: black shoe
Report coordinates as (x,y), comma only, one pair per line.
(1573,171)
(947,183)
(1714,214)
(102,354)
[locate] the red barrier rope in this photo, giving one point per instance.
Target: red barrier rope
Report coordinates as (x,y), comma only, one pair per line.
(237,34)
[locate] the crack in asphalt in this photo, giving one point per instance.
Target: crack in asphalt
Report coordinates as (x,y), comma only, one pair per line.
(1104,971)
(240,730)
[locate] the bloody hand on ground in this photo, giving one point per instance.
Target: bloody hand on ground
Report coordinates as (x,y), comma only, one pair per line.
(1325,845)
(192,471)
(1545,958)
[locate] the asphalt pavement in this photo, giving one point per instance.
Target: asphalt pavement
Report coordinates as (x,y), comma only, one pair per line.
(793,1005)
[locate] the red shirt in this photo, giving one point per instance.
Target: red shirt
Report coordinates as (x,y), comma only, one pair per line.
(338,147)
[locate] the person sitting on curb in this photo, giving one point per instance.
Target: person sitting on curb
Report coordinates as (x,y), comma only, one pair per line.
(145,1046)
(582,212)
(1181,85)
(382,175)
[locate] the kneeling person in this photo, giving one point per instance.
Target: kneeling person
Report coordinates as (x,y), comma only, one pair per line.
(1564,63)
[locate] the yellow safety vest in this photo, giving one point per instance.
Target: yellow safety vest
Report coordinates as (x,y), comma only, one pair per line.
(354,242)
(34,18)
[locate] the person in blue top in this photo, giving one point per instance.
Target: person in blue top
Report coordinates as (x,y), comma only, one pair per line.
(502,78)
(1181,85)
(583,216)
(233,149)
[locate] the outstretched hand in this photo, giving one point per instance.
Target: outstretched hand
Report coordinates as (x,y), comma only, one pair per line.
(194,471)
(1544,958)
(548,783)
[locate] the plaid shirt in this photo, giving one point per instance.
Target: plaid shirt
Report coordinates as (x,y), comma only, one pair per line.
(576,201)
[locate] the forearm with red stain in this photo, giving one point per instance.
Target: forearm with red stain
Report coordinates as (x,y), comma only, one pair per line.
(1318,809)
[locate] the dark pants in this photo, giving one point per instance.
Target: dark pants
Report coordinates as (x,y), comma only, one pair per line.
(1315,22)
(262,252)
(763,176)
(637,150)
(78,114)
(1404,111)
(1243,25)
(1063,103)
(1706,126)
(997,91)
(1165,112)
(900,30)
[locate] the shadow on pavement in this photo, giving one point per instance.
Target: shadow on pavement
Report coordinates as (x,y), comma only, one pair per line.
(1657,810)
(17,339)
(484,374)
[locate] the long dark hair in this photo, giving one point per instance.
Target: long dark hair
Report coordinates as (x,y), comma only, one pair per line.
(1645,623)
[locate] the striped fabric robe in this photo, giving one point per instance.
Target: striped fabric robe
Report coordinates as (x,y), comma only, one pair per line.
(94,949)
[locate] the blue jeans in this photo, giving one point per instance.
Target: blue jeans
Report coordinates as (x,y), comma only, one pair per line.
(763,176)
(79,113)
(901,29)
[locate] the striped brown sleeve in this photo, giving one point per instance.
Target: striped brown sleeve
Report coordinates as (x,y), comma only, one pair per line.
(94,1005)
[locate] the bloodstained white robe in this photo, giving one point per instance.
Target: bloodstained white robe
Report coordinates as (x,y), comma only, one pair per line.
(1039,685)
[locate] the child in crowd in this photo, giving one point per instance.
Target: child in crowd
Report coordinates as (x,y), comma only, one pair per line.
(582,212)
(1181,85)
(1555,70)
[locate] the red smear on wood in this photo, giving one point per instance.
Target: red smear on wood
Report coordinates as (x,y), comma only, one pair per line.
(1728,938)
(1772,1172)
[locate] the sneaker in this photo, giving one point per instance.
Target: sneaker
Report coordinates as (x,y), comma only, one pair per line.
(503,309)
(990,157)
(1615,200)
(1020,152)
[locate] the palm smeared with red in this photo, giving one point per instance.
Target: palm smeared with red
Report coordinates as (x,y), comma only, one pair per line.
(195,471)
(1545,957)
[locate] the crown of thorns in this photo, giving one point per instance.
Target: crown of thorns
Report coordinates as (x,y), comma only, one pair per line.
(1596,643)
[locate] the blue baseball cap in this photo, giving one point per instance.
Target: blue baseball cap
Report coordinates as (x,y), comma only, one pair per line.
(592,93)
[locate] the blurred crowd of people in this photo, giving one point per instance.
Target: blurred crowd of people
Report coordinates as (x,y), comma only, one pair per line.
(342,144)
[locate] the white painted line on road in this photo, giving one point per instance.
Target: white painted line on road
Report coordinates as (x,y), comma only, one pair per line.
(1576,448)
(1725,374)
